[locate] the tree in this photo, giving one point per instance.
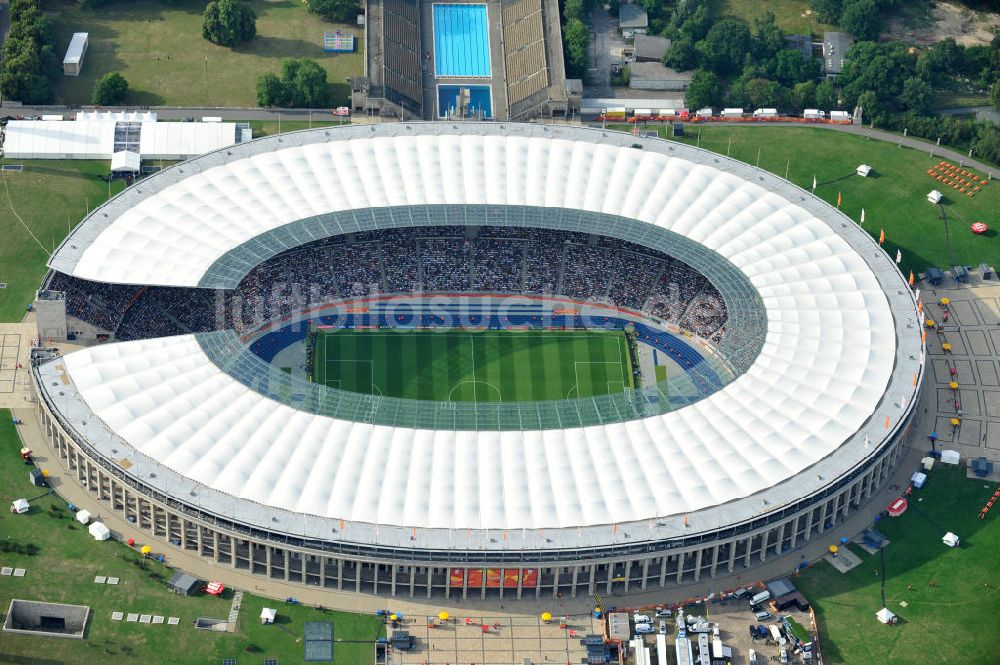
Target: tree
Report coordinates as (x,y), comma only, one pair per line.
(690,19)
(302,84)
(339,11)
(791,68)
(870,106)
(861,19)
(768,38)
(110,89)
(228,22)
(576,9)
(704,90)
(804,95)
(575,44)
(995,96)
(305,83)
(827,11)
(681,55)
(761,93)
(29,62)
(270,90)
(826,95)
(881,68)
(725,46)
(987,143)
(917,95)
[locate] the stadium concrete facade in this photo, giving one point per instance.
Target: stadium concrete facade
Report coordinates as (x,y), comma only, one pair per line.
(171,432)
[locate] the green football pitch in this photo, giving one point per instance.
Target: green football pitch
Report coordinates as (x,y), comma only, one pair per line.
(474,366)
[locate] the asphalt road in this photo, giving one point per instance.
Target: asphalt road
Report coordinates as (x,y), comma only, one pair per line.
(254,113)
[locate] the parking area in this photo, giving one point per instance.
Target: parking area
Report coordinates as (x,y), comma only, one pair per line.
(484,640)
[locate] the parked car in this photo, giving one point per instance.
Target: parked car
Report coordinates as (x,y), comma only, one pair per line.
(662,612)
(663,627)
(641,618)
(643,628)
(762,615)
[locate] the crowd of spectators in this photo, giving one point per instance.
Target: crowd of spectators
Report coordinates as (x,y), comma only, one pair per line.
(420,259)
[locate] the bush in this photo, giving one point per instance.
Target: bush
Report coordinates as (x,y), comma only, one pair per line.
(228,22)
(29,63)
(110,89)
(341,11)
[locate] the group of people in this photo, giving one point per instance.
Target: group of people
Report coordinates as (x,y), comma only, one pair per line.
(436,259)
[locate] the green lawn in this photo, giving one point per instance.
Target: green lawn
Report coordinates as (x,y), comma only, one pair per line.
(64,569)
(953,621)
(895,199)
(48,196)
(159,48)
(791,14)
(462,366)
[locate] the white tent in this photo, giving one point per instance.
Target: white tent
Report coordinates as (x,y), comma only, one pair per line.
(99,531)
(950,457)
(864,170)
(918,479)
(934,196)
(83,516)
(928,463)
(268,614)
(950,539)
(125,160)
(20,506)
(885,616)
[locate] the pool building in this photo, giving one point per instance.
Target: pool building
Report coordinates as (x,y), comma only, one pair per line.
(492,59)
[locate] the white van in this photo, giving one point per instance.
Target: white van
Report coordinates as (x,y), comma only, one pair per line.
(643,628)
(762,615)
(761,597)
(813,114)
(641,618)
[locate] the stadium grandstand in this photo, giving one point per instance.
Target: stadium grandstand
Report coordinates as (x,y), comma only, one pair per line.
(497,60)
(220,396)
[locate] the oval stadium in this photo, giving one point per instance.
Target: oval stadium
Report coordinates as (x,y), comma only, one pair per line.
(476,360)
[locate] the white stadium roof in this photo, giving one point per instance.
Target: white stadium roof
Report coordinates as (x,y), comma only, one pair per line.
(838,368)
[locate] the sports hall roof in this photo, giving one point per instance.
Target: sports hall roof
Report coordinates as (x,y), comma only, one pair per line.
(835,378)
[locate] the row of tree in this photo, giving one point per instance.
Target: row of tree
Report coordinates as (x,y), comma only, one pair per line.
(576,36)
(30,60)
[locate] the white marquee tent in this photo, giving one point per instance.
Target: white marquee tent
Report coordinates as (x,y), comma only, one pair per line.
(885,616)
(99,531)
(125,161)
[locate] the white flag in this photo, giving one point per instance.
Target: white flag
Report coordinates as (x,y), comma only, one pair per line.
(899,256)
(814,183)
(862,215)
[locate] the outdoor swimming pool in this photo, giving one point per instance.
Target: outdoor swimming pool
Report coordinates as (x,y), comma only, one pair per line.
(461,41)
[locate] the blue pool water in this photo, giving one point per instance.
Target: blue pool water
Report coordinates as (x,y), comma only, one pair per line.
(461,42)
(479,98)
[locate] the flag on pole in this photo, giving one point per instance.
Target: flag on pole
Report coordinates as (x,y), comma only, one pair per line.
(814,184)
(911,278)
(899,256)
(881,237)
(839,199)
(862,215)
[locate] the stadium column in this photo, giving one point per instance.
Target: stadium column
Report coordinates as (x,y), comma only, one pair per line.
(576,574)
(697,564)
(520,574)
(680,567)
(795,531)
(822,518)
(746,556)
(340,574)
(591,585)
(715,559)
(430,580)
(781,537)
(628,574)
(645,573)
(555,581)
(664,560)
(732,554)
(763,544)
(392,584)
